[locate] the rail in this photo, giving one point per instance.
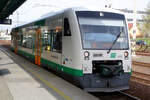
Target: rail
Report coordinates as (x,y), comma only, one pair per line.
(142,53)
(141,64)
(141,77)
(119,95)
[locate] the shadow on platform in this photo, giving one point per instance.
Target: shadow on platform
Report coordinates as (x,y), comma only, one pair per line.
(4,72)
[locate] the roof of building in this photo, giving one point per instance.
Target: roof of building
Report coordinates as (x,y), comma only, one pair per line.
(8,7)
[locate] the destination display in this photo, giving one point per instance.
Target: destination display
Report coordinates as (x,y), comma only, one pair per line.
(6,21)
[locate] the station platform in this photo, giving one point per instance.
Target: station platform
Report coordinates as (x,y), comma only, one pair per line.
(23,80)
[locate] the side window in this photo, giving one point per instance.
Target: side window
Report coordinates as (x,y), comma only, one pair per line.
(47,41)
(20,40)
(29,41)
(57,40)
(67,31)
(24,40)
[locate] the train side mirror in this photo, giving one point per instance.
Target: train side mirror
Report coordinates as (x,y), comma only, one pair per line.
(67,31)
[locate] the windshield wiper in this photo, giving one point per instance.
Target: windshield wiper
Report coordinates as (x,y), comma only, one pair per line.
(114,42)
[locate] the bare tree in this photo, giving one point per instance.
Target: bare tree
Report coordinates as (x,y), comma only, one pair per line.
(145,26)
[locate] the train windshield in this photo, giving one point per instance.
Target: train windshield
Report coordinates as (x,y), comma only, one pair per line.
(100,31)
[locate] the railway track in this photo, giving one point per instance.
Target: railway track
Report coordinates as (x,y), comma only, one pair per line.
(142,53)
(119,95)
(141,64)
(141,78)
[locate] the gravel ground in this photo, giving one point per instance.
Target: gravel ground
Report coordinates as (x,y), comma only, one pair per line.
(139,90)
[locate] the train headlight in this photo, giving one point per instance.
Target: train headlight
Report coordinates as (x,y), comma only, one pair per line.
(86,54)
(126,54)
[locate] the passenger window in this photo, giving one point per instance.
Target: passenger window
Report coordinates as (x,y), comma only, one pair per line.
(57,40)
(20,40)
(28,42)
(67,31)
(47,41)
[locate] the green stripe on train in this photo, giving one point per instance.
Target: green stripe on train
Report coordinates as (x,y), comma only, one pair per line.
(28,55)
(65,69)
(53,65)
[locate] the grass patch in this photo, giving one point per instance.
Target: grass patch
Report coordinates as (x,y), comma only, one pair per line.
(147,40)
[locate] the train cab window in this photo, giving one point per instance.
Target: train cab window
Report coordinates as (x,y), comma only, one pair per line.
(67,31)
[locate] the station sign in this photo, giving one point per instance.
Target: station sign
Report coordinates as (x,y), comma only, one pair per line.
(6,21)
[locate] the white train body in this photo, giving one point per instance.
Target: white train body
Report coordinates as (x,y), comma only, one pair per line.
(90,47)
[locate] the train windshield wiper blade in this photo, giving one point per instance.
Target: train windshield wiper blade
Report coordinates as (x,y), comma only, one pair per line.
(114,43)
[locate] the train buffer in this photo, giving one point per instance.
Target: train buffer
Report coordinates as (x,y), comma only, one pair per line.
(23,80)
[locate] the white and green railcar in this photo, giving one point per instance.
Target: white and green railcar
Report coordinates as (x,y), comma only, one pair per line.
(90,48)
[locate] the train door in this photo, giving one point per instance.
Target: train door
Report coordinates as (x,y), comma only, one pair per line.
(38,46)
(67,44)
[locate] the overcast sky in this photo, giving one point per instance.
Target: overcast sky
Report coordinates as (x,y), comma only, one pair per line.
(34,9)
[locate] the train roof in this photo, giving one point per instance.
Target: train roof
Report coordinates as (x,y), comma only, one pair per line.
(95,9)
(71,9)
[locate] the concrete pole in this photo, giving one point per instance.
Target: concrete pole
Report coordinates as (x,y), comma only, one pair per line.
(17,18)
(134,28)
(108,4)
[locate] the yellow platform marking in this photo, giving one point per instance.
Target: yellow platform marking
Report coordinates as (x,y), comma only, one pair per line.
(50,85)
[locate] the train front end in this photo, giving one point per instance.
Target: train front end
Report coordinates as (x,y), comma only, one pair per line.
(106,50)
